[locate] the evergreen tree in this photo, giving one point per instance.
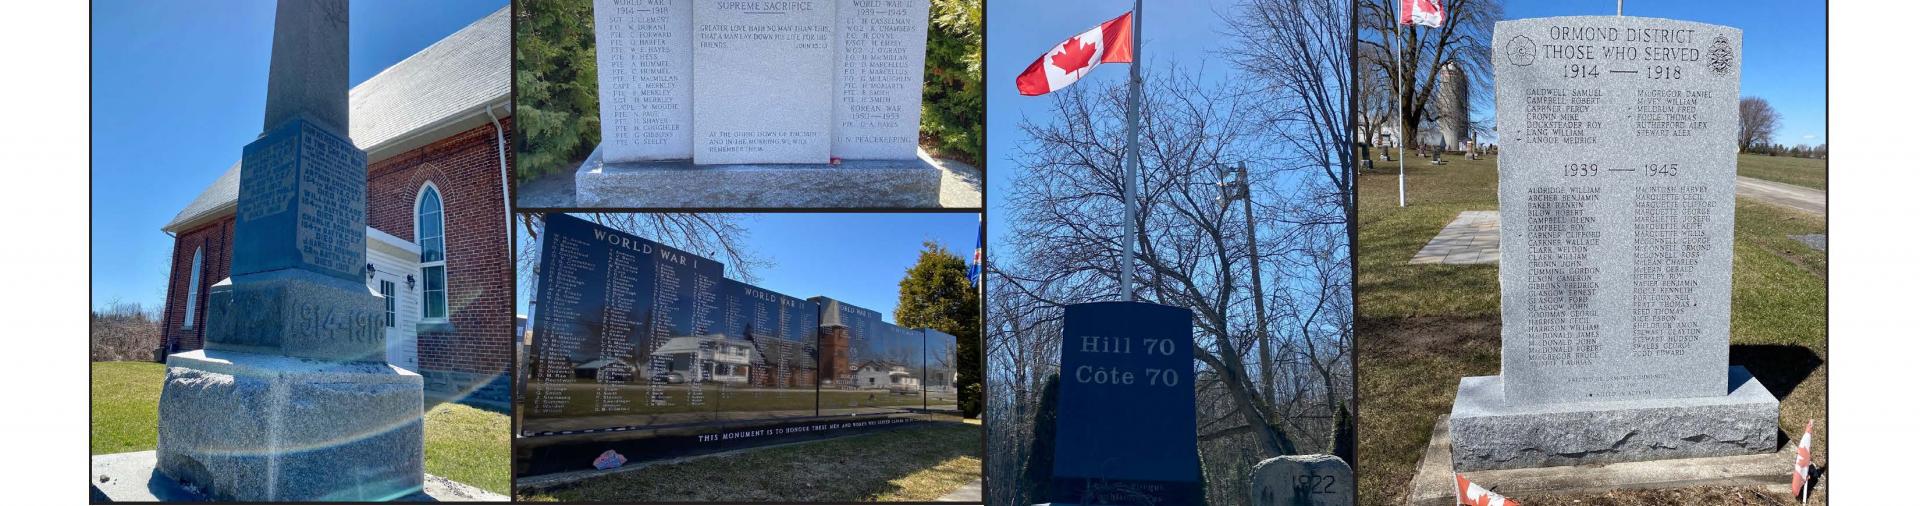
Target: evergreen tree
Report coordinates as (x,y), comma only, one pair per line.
(1343,437)
(952,104)
(936,294)
(556,102)
(1037,478)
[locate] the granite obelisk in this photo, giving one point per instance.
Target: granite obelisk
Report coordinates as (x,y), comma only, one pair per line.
(292,399)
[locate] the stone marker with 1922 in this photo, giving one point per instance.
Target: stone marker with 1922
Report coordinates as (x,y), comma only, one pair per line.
(292,399)
(1126,431)
(1616,190)
(1302,480)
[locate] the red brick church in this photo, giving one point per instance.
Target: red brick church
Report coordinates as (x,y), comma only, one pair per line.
(436,128)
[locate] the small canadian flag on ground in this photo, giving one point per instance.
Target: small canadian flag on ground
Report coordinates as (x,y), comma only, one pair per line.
(1111,42)
(1472,495)
(1803,463)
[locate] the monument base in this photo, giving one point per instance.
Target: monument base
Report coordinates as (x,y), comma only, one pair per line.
(1489,433)
(1433,485)
(680,183)
(247,427)
(135,477)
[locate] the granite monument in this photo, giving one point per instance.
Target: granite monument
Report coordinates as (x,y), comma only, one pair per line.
(1616,191)
(755,104)
(1302,480)
(1126,428)
(631,335)
(292,399)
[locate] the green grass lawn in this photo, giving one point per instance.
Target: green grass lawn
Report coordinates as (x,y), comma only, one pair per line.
(910,464)
(464,444)
(1806,172)
(1421,327)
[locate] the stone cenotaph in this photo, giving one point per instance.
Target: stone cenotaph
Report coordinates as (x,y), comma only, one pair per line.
(1616,191)
(292,399)
(758,104)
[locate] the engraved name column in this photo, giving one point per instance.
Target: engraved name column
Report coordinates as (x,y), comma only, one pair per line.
(646,68)
(882,51)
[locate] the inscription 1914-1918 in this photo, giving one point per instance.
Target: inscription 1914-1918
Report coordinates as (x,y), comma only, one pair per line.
(1616,170)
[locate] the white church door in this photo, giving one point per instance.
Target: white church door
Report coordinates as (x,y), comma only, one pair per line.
(393,260)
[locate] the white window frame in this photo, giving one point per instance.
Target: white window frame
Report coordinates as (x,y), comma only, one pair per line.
(193,289)
(441,214)
(391,292)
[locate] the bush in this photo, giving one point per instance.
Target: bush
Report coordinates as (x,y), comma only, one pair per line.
(556,107)
(953,108)
(125,332)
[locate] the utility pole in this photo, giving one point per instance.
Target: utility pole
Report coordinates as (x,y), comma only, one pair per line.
(1242,188)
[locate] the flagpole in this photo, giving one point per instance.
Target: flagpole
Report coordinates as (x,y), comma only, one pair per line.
(1399,107)
(1133,159)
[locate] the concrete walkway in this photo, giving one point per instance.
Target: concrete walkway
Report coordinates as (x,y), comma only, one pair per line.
(1794,197)
(1472,238)
(966,493)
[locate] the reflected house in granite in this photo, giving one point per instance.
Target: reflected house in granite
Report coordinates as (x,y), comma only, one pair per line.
(941,379)
(885,375)
(436,128)
(782,363)
(710,358)
(604,370)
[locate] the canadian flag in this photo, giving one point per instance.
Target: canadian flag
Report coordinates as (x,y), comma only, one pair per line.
(1111,42)
(1422,12)
(1472,495)
(1803,462)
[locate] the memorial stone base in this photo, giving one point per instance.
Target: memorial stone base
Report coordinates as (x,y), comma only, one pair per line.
(1489,433)
(680,183)
(248,427)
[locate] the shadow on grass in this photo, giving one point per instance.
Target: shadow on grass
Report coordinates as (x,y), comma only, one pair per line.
(917,463)
(1780,367)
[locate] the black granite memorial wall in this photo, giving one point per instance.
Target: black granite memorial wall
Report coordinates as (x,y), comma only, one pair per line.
(631,335)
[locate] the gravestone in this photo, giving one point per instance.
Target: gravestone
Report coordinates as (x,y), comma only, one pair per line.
(292,399)
(1126,433)
(1302,480)
(1616,190)
(722,103)
(644,52)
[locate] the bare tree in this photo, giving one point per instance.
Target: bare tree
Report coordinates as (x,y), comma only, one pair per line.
(125,331)
(714,235)
(1464,39)
(1758,121)
(1298,54)
(1373,101)
(1064,248)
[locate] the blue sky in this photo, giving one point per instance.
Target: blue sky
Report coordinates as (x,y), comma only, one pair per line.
(856,258)
(1784,50)
(1019,32)
(179,87)
(1785,57)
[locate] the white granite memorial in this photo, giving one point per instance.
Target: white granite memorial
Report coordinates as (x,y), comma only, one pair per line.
(1616,202)
(759,104)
